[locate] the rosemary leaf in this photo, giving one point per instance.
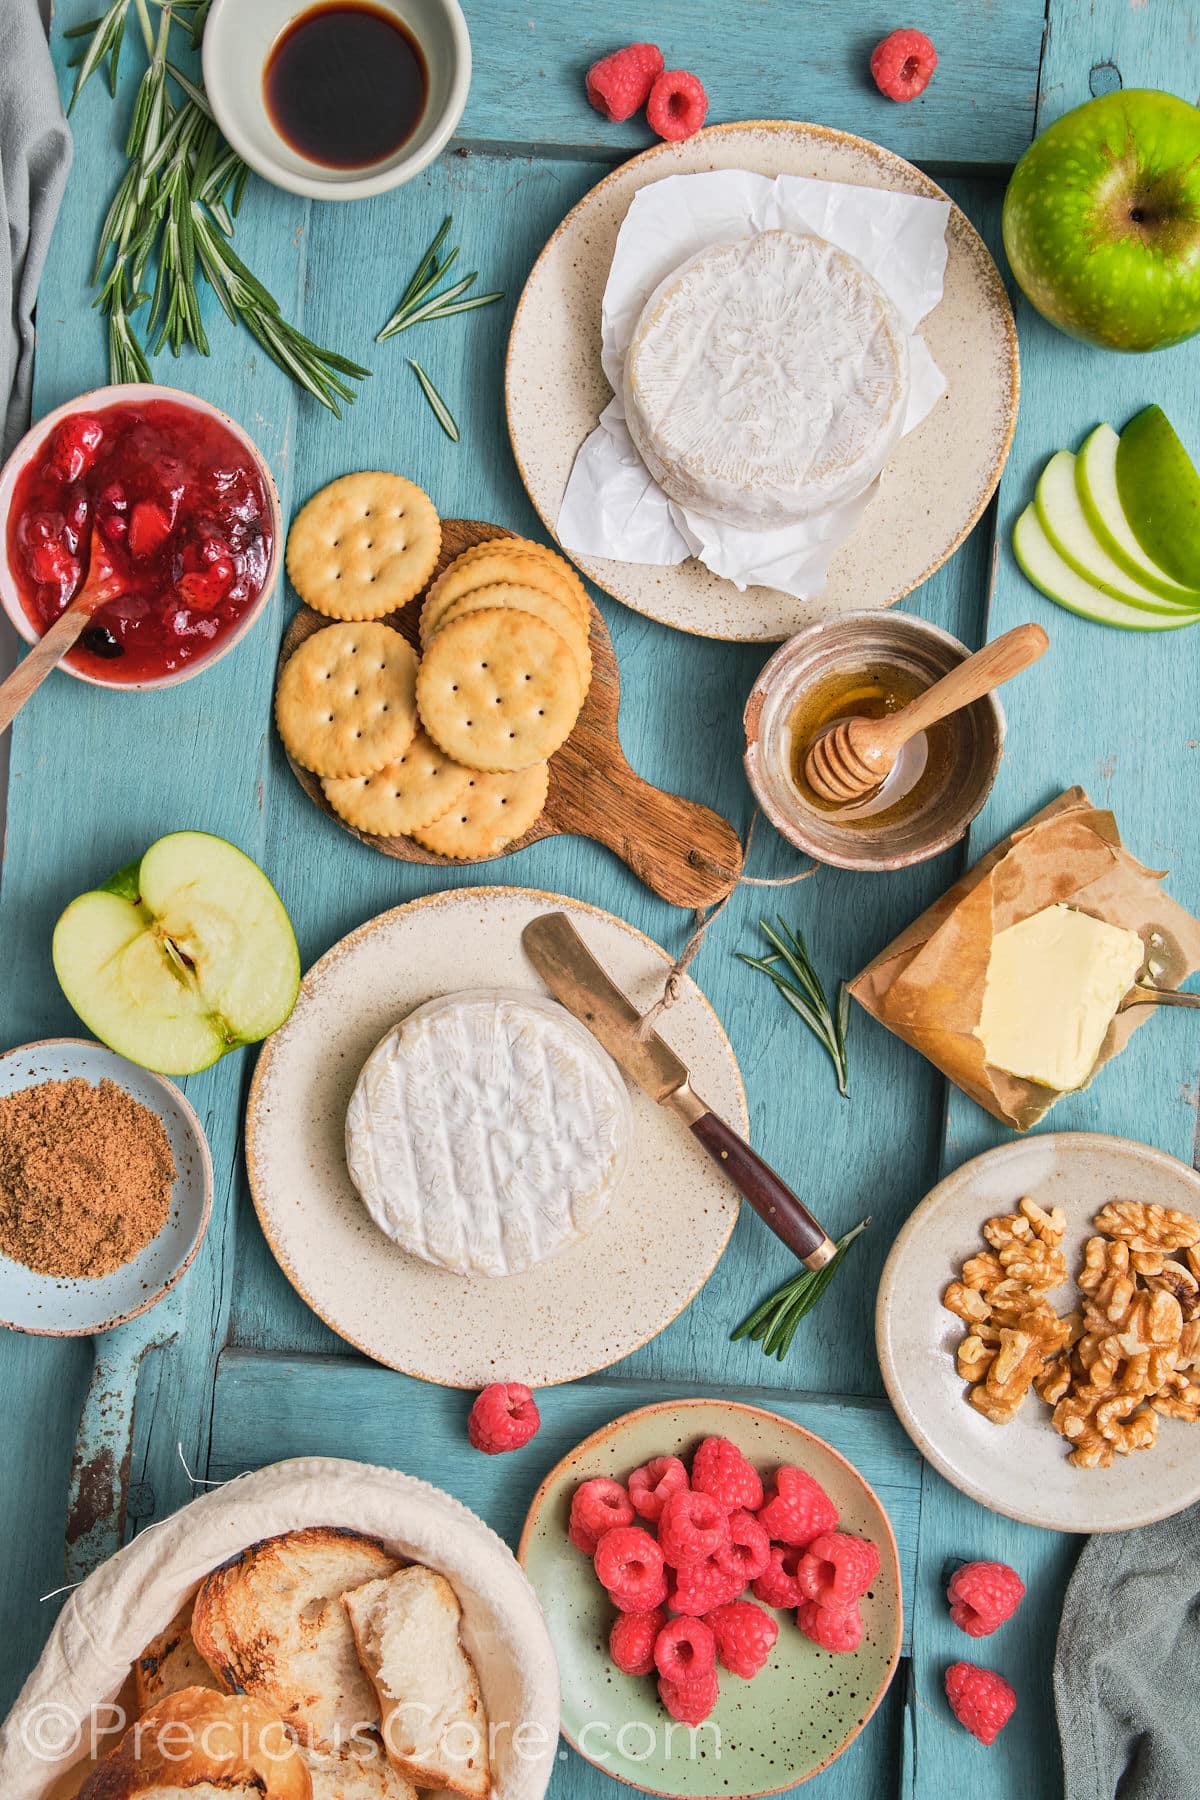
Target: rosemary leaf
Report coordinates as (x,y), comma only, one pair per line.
(441,411)
(790,968)
(774,1322)
(428,308)
(456,306)
(107,33)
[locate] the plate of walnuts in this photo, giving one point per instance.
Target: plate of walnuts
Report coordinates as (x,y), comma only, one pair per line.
(1038,1328)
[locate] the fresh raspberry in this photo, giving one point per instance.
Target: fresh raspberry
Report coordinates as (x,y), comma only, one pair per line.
(619,85)
(720,1469)
(797,1509)
(599,1505)
(748,1552)
(745,1636)
(690,1701)
(982,1595)
(651,1486)
(677,105)
(692,1526)
(777,1585)
(505,1416)
(699,1587)
(632,1638)
(685,1650)
(630,1565)
(979,1699)
(837,1569)
(835,1628)
(902,64)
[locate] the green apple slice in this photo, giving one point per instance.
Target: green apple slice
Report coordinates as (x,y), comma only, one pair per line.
(181,956)
(1040,561)
(1160,491)
(1096,479)
(1060,512)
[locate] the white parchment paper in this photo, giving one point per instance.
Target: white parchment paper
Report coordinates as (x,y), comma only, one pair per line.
(612,506)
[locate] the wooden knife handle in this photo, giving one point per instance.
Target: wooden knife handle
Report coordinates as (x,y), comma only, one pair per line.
(771,1198)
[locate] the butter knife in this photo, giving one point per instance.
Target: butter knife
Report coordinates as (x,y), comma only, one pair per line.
(576,979)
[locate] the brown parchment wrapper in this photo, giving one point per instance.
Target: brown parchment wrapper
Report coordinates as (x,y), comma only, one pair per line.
(927,986)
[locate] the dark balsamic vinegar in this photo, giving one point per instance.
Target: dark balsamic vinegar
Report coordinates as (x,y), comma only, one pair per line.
(346,84)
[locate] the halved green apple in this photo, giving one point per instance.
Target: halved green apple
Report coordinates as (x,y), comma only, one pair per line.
(1096,479)
(1047,570)
(181,956)
(1062,518)
(1159,487)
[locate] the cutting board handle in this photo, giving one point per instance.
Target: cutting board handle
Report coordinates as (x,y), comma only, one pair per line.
(688,854)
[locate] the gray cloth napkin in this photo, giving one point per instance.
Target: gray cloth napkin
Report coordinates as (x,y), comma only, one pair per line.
(35,155)
(1127,1668)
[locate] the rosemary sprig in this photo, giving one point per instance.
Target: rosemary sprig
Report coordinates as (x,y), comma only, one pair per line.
(773,1324)
(441,411)
(173,213)
(791,969)
(419,303)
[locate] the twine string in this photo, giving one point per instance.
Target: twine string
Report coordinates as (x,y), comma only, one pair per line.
(705,917)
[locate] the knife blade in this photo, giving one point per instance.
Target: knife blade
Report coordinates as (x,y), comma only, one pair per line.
(585,988)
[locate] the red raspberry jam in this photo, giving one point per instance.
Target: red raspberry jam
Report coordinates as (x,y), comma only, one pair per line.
(184,515)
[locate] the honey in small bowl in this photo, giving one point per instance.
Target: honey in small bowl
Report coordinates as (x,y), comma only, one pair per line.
(874,691)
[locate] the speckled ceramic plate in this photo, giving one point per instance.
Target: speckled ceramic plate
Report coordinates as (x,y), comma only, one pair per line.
(652,1251)
(49,1306)
(1022,1469)
(938,482)
(766,1735)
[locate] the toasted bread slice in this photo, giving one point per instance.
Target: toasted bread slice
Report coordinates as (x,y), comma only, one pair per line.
(271,1623)
(434,1725)
(171,1662)
(201,1745)
(359,1774)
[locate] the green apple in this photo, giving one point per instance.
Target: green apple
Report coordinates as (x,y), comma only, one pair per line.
(1160,491)
(1102,221)
(1096,479)
(1062,517)
(1040,561)
(181,956)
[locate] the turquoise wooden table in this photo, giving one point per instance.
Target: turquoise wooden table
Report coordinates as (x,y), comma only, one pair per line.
(233,1371)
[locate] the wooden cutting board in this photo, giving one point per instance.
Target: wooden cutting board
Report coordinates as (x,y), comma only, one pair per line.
(687,853)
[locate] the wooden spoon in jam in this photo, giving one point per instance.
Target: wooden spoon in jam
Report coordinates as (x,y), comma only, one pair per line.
(101,584)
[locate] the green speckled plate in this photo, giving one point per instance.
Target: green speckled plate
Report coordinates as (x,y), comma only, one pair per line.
(765,1735)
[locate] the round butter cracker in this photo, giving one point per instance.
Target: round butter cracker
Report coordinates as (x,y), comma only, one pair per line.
(414,790)
(498,690)
(503,560)
(346,700)
(519,598)
(494,811)
(363,546)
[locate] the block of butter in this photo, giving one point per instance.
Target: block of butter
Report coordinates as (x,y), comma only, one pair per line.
(1054,982)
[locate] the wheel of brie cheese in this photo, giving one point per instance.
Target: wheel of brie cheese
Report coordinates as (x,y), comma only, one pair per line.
(767,380)
(488,1131)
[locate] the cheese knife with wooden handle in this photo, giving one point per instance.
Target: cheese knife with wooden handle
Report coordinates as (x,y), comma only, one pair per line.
(576,979)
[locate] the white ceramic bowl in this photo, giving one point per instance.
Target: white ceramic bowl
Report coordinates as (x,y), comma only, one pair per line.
(238,39)
(96,401)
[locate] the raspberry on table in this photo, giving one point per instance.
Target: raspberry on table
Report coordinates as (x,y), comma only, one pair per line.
(690,1701)
(748,1552)
(632,1638)
(691,1527)
(797,1509)
(720,1469)
(630,1565)
(677,105)
(837,1568)
(598,1506)
(835,1628)
(983,1595)
(745,1636)
(979,1699)
(651,1486)
(619,85)
(777,1585)
(699,1587)
(504,1417)
(685,1650)
(903,63)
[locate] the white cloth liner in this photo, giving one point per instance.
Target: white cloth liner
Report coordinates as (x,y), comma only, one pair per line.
(109,1620)
(612,506)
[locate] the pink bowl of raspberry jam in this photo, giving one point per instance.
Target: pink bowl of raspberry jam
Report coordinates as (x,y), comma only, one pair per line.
(187,512)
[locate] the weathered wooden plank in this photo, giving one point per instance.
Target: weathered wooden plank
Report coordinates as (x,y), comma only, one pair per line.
(762,60)
(1117,712)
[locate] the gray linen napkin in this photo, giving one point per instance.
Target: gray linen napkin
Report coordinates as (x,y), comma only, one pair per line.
(35,154)
(1127,1668)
